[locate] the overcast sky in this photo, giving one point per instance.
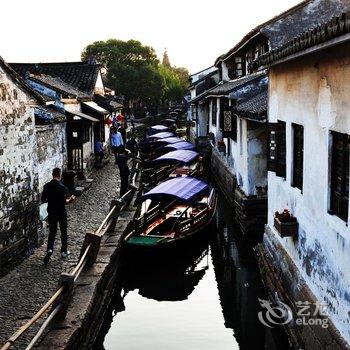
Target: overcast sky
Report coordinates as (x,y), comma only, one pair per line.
(194,32)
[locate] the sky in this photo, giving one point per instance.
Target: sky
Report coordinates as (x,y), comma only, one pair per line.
(194,32)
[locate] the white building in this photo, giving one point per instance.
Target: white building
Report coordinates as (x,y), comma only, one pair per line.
(307,261)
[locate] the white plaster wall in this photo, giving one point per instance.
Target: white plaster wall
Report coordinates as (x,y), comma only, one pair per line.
(202,119)
(314,92)
(225,76)
(256,153)
(51,150)
(249,170)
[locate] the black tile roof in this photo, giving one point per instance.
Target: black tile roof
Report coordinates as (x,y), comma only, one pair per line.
(304,18)
(58,85)
(80,75)
(48,115)
(257,30)
(203,78)
(336,27)
(253,108)
(226,88)
(18,79)
(109,103)
(291,23)
(251,99)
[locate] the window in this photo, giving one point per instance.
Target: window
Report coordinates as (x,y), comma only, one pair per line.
(229,125)
(239,67)
(224,106)
(86,133)
(276,158)
(339,196)
(298,155)
(213,112)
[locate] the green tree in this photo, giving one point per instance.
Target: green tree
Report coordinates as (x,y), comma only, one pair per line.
(172,87)
(132,69)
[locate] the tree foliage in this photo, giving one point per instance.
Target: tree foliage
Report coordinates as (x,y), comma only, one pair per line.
(134,71)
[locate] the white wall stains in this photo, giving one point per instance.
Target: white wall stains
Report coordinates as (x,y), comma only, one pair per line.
(314,92)
(51,150)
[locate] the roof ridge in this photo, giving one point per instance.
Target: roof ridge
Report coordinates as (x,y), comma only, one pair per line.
(257,29)
(19,80)
(334,27)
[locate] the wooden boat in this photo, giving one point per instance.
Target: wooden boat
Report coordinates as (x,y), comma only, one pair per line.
(173,213)
(168,122)
(173,164)
(157,129)
(153,148)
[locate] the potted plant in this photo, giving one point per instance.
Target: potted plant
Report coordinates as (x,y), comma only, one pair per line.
(222,146)
(286,224)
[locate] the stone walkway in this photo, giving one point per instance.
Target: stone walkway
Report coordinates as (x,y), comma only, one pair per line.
(28,287)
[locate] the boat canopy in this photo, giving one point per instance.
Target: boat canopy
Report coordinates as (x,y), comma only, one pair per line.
(159,128)
(162,135)
(181,155)
(185,189)
(171,140)
(185,145)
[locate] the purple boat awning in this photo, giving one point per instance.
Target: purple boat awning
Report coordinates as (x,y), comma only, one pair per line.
(182,156)
(184,189)
(159,128)
(171,140)
(161,135)
(185,145)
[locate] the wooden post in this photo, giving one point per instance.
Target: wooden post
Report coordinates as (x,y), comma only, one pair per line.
(67,282)
(94,240)
(113,220)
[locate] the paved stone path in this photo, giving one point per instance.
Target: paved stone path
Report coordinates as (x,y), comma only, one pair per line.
(28,287)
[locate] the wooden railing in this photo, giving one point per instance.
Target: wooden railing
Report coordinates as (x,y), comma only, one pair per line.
(60,301)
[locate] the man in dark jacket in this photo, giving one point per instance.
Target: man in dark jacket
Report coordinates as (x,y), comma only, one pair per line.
(122,162)
(55,194)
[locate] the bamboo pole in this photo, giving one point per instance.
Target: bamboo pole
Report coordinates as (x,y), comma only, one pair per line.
(21,330)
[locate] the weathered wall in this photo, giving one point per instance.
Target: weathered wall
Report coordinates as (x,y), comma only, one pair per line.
(314,91)
(247,155)
(18,172)
(257,158)
(51,150)
(202,119)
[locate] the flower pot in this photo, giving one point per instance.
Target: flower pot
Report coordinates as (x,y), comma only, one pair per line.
(286,229)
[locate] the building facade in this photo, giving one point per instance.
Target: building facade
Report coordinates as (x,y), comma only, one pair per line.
(308,179)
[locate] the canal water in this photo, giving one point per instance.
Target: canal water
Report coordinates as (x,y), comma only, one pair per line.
(206,299)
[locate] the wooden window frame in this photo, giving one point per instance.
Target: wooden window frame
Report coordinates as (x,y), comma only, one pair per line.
(298,156)
(276,157)
(339,177)
(214,112)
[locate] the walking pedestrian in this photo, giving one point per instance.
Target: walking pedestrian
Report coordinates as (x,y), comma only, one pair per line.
(55,194)
(116,142)
(98,148)
(124,171)
(122,129)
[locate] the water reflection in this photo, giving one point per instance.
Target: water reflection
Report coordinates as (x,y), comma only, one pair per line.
(205,298)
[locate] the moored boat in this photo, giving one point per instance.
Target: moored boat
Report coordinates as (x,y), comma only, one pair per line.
(174,213)
(173,164)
